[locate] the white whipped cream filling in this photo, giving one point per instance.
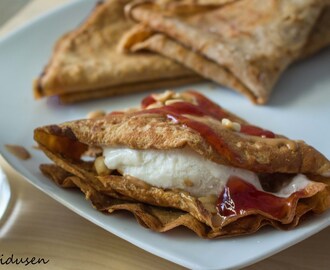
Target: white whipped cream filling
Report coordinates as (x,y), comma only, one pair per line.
(297,183)
(184,169)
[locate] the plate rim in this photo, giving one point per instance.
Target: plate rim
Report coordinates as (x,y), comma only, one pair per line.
(20,169)
(17,30)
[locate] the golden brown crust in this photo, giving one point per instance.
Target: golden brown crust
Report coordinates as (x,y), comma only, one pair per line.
(66,143)
(142,37)
(157,132)
(59,176)
(87,59)
(225,34)
(320,35)
(125,89)
(163,219)
(128,187)
(156,218)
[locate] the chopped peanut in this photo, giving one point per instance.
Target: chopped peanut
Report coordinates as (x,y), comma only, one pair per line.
(171,101)
(169,97)
(155,105)
(231,125)
(95,114)
(164,96)
(100,166)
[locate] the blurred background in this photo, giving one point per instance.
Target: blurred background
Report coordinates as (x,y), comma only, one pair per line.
(8,8)
(15,12)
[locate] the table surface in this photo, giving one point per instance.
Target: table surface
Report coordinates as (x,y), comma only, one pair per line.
(37,226)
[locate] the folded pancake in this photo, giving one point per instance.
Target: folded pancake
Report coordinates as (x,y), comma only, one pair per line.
(124,89)
(141,37)
(181,159)
(319,37)
(244,45)
(86,64)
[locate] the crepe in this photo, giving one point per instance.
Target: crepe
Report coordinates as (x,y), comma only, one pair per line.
(244,45)
(72,97)
(86,64)
(141,37)
(319,37)
(189,125)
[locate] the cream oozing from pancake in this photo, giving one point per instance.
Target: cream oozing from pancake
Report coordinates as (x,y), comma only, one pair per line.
(185,169)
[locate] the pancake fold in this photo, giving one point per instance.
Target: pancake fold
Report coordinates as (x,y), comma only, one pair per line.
(243,45)
(87,65)
(190,123)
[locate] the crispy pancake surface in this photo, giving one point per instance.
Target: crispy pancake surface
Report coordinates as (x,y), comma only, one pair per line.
(86,63)
(175,121)
(244,45)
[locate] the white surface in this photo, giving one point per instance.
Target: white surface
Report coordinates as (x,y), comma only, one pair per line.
(170,169)
(299,108)
(4,193)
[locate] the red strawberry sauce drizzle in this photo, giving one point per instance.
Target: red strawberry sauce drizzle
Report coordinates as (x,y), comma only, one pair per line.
(238,195)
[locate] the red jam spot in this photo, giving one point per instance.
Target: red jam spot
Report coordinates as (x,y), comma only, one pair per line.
(256,131)
(204,107)
(210,108)
(179,111)
(176,112)
(147,101)
(240,196)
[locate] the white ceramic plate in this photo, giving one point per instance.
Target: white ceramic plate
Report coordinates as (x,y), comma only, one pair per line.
(299,108)
(4,193)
